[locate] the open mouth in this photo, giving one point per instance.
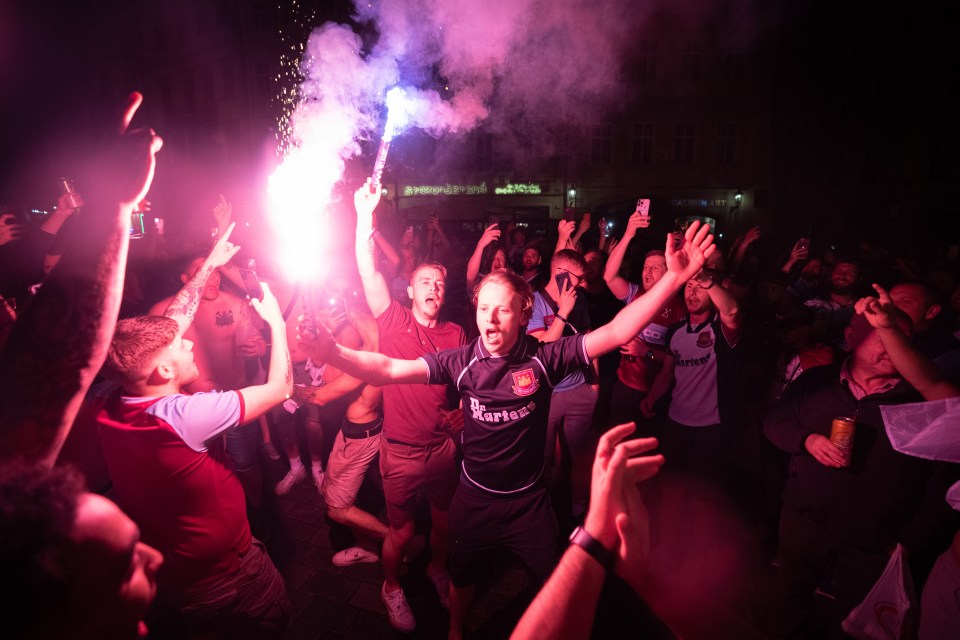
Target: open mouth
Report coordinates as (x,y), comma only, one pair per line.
(491,334)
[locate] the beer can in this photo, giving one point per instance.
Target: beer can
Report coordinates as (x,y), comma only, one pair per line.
(841,435)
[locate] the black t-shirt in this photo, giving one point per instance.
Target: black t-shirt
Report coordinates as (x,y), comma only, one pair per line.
(506,402)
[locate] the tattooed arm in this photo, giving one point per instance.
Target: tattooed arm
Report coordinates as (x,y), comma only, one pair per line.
(260,398)
(61,339)
(184,305)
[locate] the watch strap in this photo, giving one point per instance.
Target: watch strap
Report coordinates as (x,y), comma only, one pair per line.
(582,538)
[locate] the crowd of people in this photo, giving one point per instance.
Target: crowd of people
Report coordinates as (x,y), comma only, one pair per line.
(664,403)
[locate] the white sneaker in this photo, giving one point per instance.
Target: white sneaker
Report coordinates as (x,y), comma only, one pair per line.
(398,611)
(441,580)
(293,477)
(353,555)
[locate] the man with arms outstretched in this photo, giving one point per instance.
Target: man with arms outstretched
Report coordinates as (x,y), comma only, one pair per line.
(505,381)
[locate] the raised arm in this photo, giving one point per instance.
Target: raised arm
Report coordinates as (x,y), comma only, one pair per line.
(184,305)
(725,303)
(682,264)
(258,399)
(917,369)
(611,274)
(61,339)
(582,228)
(490,234)
(375,287)
(368,366)
(565,229)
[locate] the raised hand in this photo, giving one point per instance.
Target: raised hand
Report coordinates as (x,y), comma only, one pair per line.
(565,228)
(877,310)
(223,213)
(634,222)
(314,339)
(223,250)
(751,236)
(268,308)
(490,234)
(365,200)
(135,159)
(696,246)
(10,229)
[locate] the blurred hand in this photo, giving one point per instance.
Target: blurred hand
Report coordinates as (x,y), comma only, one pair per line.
(636,348)
(254,347)
(797,254)
(223,250)
(565,228)
(134,160)
(433,222)
(69,202)
(490,234)
(824,451)
(878,311)
(567,299)
(634,222)
(751,236)
(223,213)
(696,246)
(584,225)
(268,308)
(365,200)
(314,339)
(10,229)
(646,407)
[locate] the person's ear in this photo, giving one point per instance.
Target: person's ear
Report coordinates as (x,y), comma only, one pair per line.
(410,291)
(849,334)
(932,312)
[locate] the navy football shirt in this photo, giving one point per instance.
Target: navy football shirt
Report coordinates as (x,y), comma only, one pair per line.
(506,402)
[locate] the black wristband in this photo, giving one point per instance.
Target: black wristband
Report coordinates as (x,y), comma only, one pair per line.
(582,538)
(560,318)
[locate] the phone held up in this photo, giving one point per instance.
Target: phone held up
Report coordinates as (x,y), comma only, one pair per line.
(643,206)
(803,244)
(251,285)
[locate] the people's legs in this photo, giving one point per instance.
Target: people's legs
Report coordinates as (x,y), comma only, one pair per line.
(243,446)
(625,407)
(803,555)
(580,443)
(286,425)
(461,599)
(315,446)
(346,468)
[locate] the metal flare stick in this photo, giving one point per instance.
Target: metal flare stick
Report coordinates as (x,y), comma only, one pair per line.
(378,165)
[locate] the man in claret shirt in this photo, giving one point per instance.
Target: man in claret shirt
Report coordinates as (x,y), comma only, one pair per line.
(505,380)
(187,502)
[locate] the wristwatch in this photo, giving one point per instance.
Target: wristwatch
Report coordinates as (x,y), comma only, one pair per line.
(582,538)
(704,279)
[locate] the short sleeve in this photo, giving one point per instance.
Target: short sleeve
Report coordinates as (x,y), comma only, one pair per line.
(562,357)
(632,290)
(538,319)
(201,416)
(445,366)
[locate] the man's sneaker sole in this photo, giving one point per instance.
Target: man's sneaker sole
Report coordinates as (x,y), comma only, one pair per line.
(354,555)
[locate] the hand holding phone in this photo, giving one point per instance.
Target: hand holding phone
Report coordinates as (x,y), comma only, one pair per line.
(803,244)
(251,285)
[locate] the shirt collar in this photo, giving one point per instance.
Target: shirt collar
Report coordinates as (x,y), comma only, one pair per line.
(517,350)
(855,389)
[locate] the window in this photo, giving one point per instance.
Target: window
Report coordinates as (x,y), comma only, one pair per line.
(683,142)
(726,143)
(646,62)
(690,63)
(601,146)
(733,66)
(484,151)
(642,144)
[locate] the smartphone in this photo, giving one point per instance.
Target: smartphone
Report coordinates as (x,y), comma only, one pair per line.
(492,220)
(608,229)
(643,206)
(569,214)
(803,244)
(250,284)
(562,279)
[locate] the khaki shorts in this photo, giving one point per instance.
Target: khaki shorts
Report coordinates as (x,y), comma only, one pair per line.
(408,470)
(349,460)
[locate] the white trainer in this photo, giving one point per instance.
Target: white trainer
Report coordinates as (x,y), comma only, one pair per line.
(398,611)
(293,477)
(353,555)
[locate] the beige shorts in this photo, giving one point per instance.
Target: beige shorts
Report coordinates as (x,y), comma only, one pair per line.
(349,460)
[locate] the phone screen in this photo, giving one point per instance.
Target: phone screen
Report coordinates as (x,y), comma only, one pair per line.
(250,284)
(803,244)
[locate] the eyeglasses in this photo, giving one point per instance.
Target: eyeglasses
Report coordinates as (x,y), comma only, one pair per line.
(578,276)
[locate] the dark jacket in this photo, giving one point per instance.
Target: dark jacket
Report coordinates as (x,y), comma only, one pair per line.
(883,496)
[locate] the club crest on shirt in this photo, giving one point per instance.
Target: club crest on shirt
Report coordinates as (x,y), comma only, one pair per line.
(524,382)
(705,339)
